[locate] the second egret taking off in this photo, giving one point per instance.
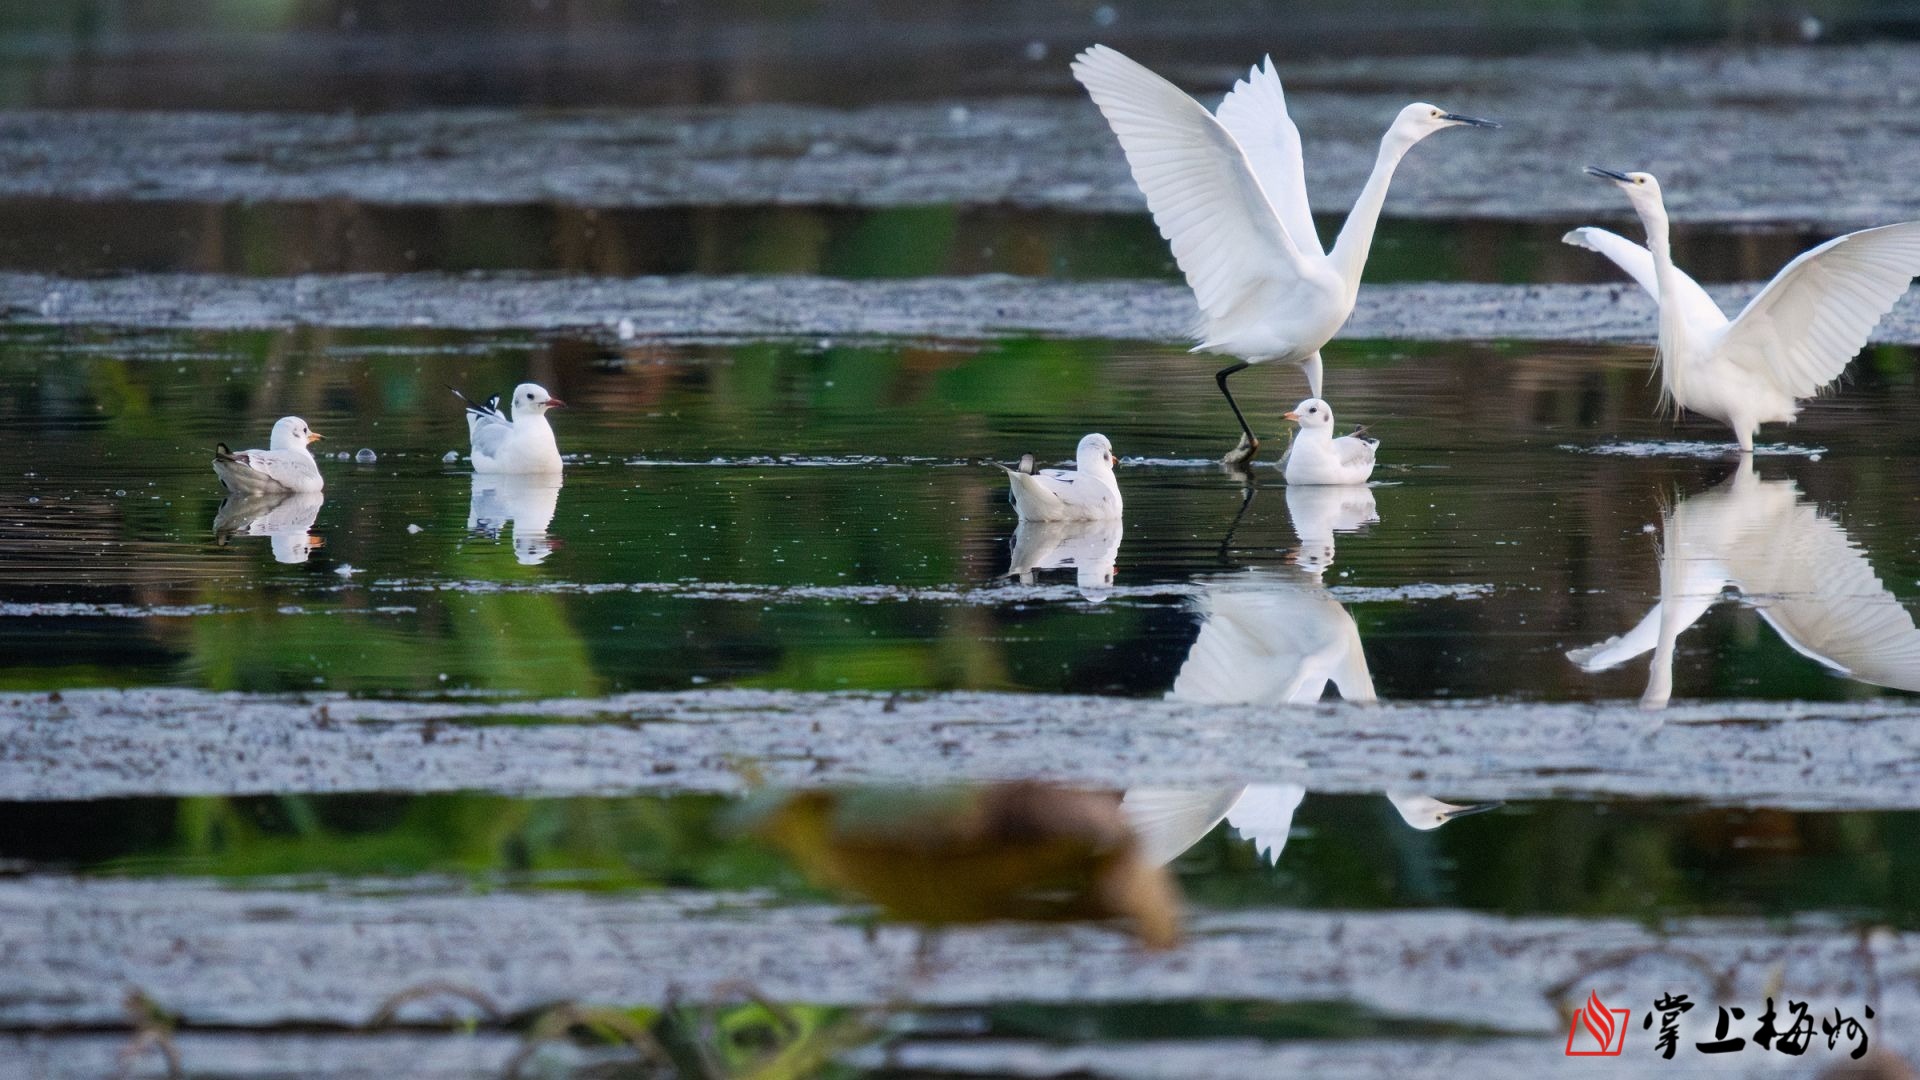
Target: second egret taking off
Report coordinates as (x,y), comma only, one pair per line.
(1229,192)
(1791,340)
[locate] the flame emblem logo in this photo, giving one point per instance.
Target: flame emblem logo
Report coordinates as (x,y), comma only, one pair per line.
(1597,1031)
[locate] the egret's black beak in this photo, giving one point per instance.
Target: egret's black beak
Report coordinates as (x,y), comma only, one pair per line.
(1470,121)
(1609,174)
(1469,811)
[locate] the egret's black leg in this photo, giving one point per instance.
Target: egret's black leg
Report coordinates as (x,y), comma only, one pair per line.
(1221,378)
(1249,445)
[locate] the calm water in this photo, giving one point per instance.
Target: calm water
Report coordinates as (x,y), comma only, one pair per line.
(823,516)
(100,237)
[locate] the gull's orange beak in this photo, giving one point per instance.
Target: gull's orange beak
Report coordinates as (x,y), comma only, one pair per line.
(555,403)
(315,542)
(1113,460)
(314,437)
(1293,416)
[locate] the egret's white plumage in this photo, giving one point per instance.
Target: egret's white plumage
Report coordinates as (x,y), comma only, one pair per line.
(1088,492)
(526,503)
(286,465)
(1316,457)
(1090,548)
(1794,564)
(1265,639)
(1791,340)
(523,443)
(1228,191)
(1271,639)
(1426,813)
(1168,821)
(284,518)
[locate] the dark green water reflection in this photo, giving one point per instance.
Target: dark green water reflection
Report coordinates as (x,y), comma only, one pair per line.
(1639,860)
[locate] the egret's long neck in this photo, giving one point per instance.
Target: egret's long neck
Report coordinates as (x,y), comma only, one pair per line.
(1673,323)
(1349,255)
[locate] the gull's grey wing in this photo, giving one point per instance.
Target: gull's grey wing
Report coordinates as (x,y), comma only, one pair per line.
(487,426)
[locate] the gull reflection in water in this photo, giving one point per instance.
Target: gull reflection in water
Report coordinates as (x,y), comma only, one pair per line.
(1091,548)
(1321,510)
(526,503)
(1794,565)
(284,518)
(1266,638)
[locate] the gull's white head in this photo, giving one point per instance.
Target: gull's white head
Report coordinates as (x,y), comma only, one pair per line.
(1096,453)
(1641,188)
(1312,413)
(1419,120)
(532,399)
(1426,813)
(292,433)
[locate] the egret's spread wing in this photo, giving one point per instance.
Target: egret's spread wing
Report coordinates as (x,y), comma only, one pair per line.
(1255,114)
(1224,232)
(1264,815)
(1168,821)
(1820,593)
(1637,261)
(1809,321)
(1264,642)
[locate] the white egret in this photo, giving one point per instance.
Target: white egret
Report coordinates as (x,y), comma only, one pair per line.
(1088,493)
(523,444)
(1316,457)
(1791,340)
(286,464)
(1795,565)
(1229,192)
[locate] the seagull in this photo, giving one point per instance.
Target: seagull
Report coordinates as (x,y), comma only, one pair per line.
(527,503)
(1791,340)
(285,518)
(1316,457)
(1089,493)
(286,464)
(1229,192)
(1318,512)
(1091,548)
(1792,563)
(523,444)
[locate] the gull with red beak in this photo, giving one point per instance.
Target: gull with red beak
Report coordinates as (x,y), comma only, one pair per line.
(1087,493)
(1316,457)
(520,444)
(286,465)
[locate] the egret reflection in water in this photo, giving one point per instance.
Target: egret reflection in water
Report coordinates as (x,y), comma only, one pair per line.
(284,518)
(524,503)
(1266,638)
(1090,548)
(1787,560)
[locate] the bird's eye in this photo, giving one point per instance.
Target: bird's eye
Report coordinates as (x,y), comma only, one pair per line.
(1639,179)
